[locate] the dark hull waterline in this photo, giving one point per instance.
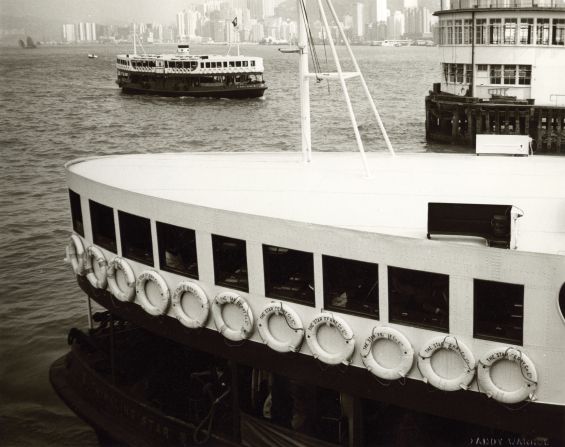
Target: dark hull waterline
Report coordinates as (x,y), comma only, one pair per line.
(237,93)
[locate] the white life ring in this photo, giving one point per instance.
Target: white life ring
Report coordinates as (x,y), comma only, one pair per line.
(292,320)
(196,291)
(94,255)
(343,328)
(164,295)
(121,264)
(527,368)
(232,334)
(75,254)
(406,354)
(449,342)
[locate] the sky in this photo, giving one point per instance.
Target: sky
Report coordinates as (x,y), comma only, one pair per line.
(101,11)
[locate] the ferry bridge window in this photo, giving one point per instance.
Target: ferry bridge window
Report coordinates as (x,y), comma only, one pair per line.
(135,232)
(481,31)
(496,74)
(542,32)
(458,32)
(449,26)
(510,74)
(230,262)
(495,31)
(76,213)
(103,229)
(467,27)
(526,31)
(177,250)
(499,311)
(510,31)
(524,74)
(558,32)
(418,298)
(289,274)
(351,286)
(482,67)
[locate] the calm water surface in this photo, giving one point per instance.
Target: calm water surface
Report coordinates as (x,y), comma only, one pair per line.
(56,105)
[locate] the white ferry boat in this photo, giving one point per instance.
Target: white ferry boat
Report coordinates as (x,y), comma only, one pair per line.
(502,66)
(183,74)
(434,282)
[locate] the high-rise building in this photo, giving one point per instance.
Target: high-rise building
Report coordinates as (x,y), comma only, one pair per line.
(69,33)
(359,20)
(410,4)
(395,26)
(381,11)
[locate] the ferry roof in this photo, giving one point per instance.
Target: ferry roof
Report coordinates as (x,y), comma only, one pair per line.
(332,190)
(186,56)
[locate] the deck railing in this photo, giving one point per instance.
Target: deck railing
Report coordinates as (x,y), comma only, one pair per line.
(472,4)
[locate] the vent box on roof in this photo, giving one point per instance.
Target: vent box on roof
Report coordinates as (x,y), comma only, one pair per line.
(503,144)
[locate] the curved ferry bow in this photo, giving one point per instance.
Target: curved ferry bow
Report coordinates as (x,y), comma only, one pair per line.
(183,74)
(340,269)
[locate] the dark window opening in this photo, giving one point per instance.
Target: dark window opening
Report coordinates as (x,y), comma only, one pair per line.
(351,286)
(289,274)
(562,301)
(499,311)
(177,250)
(418,298)
(76,213)
(230,263)
(103,229)
(307,414)
(135,232)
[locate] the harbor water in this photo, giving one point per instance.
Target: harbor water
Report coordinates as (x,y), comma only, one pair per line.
(58,105)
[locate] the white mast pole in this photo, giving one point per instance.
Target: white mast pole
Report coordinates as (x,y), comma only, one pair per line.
(304,83)
(344,88)
(365,88)
(134,47)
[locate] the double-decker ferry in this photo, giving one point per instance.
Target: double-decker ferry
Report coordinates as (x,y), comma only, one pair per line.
(183,74)
(301,299)
(502,68)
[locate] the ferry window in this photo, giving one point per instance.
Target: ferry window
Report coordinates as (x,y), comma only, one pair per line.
(238,63)
(495,31)
(103,229)
(213,64)
(459,68)
(452,72)
(446,72)
(482,67)
(467,26)
(526,31)
(351,286)
(542,32)
(245,63)
(76,212)
(232,64)
(558,32)
(449,26)
(177,250)
(230,262)
(225,64)
(289,274)
(481,31)
(499,311)
(135,232)
(510,31)
(524,74)
(562,301)
(458,32)
(496,74)
(468,73)
(418,298)
(510,74)
(253,63)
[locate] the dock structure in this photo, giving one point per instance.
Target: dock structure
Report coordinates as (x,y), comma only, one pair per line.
(502,65)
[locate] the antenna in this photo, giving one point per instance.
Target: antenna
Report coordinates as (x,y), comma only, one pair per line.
(134,47)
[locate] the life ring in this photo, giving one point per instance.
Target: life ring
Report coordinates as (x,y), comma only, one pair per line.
(449,342)
(293,321)
(232,334)
(94,255)
(196,291)
(75,254)
(406,354)
(121,264)
(164,295)
(343,328)
(527,367)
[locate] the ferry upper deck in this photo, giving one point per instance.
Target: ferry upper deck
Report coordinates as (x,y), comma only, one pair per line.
(333,191)
(450,5)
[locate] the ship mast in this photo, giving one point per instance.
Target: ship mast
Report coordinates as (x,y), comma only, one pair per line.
(134,47)
(304,85)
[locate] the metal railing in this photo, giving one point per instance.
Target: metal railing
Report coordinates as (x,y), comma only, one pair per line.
(472,4)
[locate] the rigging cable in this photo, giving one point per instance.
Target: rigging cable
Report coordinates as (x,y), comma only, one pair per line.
(310,38)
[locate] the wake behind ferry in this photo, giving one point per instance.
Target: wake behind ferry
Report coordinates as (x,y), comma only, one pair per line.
(183,74)
(308,296)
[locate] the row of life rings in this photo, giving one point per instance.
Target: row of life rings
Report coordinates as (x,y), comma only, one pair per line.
(101,274)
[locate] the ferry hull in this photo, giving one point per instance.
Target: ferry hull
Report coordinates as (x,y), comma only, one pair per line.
(530,420)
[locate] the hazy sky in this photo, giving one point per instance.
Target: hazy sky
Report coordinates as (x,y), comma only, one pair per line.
(102,11)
